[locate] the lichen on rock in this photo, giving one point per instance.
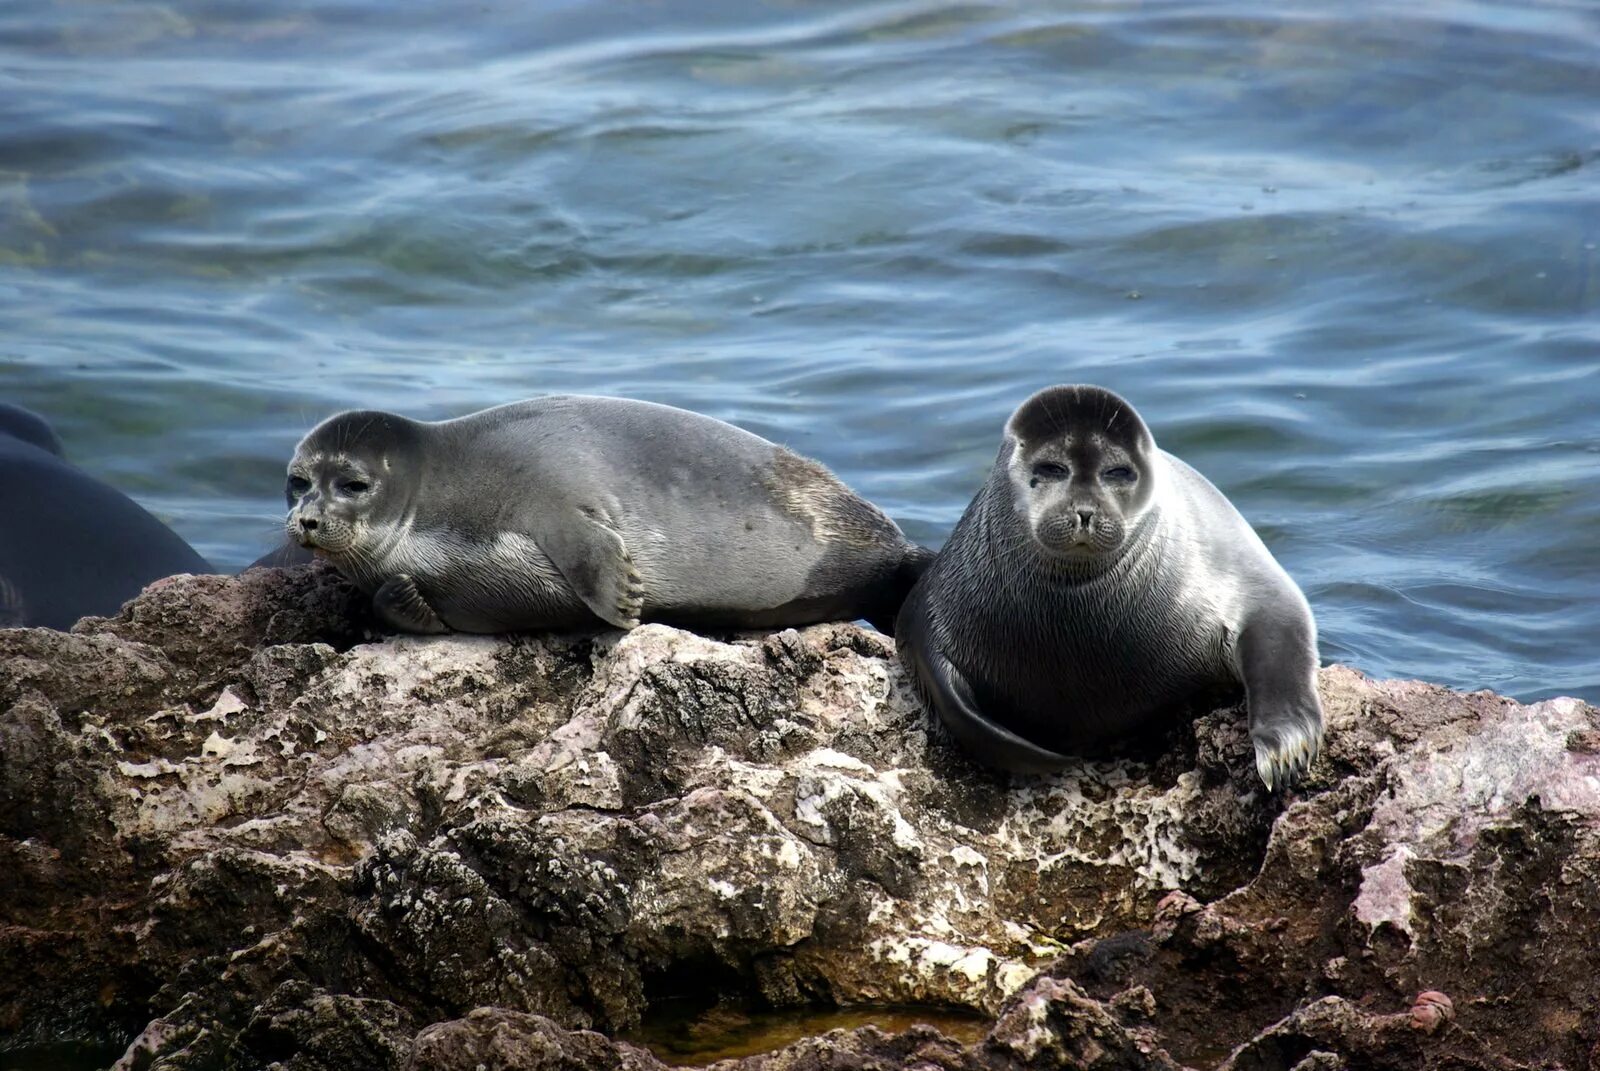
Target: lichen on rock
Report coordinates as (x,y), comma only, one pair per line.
(241,829)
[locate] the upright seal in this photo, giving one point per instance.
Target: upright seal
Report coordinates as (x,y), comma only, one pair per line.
(1096,583)
(71,545)
(566,511)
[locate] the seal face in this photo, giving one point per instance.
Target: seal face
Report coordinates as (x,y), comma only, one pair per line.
(1081,487)
(351,481)
(559,511)
(70,545)
(1097,584)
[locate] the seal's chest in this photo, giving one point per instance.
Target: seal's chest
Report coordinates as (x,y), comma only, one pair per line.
(487,585)
(1096,666)
(1131,648)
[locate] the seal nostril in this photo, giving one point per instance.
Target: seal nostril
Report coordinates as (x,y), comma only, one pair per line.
(1085,516)
(308,525)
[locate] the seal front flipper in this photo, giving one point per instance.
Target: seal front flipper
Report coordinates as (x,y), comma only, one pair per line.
(594,559)
(1278,663)
(399,604)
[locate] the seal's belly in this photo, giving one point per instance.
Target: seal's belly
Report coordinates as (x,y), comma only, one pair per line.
(1075,690)
(504,588)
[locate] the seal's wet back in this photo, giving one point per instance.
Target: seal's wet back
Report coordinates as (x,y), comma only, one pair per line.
(70,545)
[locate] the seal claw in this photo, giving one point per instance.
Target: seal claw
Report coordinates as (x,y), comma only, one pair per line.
(399,604)
(1285,753)
(630,601)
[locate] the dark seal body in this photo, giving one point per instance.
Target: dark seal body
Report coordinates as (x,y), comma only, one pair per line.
(561,511)
(71,546)
(1072,610)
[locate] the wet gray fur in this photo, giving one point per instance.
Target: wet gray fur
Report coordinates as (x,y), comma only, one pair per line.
(71,545)
(570,510)
(1031,657)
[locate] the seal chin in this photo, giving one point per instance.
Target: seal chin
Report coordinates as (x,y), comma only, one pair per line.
(331,544)
(1077,543)
(1084,554)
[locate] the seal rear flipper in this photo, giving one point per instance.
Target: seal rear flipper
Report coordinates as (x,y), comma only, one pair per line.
(945,688)
(988,741)
(885,617)
(399,604)
(594,560)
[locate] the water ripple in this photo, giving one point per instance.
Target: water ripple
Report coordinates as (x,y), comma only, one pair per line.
(1346,265)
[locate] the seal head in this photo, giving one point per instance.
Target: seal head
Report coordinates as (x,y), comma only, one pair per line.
(26,426)
(71,545)
(1079,465)
(350,482)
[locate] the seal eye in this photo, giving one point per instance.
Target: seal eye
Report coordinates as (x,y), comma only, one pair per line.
(353,487)
(1048,470)
(298,485)
(1119,474)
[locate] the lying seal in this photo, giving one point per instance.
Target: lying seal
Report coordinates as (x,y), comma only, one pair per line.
(562,511)
(284,556)
(29,427)
(1096,583)
(70,545)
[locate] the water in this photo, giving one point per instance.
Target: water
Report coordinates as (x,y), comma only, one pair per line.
(1343,259)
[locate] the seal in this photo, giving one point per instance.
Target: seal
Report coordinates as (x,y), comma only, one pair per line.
(70,545)
(29,427)
(567,510)
(285,555)
(1096,584)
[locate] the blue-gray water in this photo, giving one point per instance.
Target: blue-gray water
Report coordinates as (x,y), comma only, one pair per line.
(1343,257)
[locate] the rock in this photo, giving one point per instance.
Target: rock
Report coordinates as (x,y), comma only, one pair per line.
(495,1039)
(241,830)
(1431,1011)
(1054,1023)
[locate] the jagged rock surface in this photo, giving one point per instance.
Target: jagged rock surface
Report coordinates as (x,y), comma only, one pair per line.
(235,831)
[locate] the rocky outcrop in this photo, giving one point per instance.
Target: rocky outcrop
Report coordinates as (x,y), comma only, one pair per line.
(238,832)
